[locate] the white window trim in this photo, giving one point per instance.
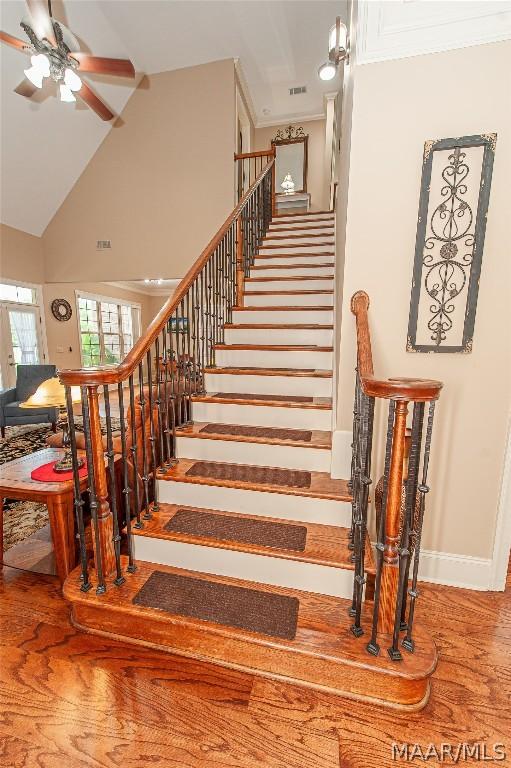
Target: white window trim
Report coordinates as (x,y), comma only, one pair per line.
(39,303)
(111,300)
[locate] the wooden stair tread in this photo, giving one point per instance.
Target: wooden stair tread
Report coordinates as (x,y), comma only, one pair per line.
(277,347)
(248,371)
(320,254)
(278,216)
(321,403)
(270,326)
(286,227)
(321,291)
(319,439)
(322,486)
(266,246)
(324,653)
(285,308)
(291,266)
(272,236)
(325,544)
(284,278)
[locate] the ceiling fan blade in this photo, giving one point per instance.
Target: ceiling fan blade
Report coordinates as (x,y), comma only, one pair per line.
(26,88)
(94,102)
(104,66)
(14,42)
(41,19)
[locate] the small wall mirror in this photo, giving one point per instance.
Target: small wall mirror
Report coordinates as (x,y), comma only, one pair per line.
(291,158)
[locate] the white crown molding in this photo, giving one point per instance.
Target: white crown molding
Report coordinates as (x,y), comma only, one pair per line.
(397,30)
(290,119)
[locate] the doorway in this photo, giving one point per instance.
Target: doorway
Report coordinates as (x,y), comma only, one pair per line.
(21,327)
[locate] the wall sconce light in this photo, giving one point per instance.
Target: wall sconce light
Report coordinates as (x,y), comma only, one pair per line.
(337,50)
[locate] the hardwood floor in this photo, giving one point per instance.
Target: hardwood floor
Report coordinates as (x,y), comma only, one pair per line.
(75,700)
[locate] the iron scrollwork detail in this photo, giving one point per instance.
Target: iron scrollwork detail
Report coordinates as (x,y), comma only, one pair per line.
(291,132)
(449,245)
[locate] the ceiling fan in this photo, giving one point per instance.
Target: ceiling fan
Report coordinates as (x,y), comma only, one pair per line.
(55,53)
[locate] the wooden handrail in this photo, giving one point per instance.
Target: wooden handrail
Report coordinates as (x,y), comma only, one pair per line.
(418,390)
(259,153)
(120,372)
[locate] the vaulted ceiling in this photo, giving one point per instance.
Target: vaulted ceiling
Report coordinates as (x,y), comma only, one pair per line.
(45,144)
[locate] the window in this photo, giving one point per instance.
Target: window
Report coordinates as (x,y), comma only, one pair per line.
(18,293)
(108,329)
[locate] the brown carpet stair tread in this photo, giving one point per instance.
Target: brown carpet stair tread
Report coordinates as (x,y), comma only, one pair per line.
(297,438)
(243,608)
(325,545)
(284,401)
(248,371)
(248,473)
(319,484)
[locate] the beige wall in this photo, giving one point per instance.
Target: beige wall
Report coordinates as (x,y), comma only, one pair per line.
(159,186)
(397,106)
(21,255)
(316,157)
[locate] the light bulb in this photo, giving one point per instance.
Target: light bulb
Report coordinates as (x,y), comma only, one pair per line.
(66,94)
(41,63)
(72,80)
(35,76)
(327,71)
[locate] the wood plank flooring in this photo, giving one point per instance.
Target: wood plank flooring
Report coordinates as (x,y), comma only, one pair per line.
(74,700)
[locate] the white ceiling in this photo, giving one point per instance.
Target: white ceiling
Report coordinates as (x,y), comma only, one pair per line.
(45,145)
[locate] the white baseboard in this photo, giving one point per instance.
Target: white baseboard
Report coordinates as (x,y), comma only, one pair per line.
(455,570)
(341,454)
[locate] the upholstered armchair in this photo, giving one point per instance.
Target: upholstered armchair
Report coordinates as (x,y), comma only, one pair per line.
(28,378)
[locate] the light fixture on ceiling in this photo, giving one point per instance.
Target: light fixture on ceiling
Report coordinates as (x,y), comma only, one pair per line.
(72,80)
(40,69)
(337,50)
(66,94)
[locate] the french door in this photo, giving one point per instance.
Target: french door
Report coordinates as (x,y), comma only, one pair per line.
(21,339)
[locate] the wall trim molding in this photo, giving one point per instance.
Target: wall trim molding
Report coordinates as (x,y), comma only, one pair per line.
(290,120)
(502,541)
(453,570)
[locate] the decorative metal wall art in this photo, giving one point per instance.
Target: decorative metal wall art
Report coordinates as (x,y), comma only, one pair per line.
(61,309)
(291,132)
(455,191)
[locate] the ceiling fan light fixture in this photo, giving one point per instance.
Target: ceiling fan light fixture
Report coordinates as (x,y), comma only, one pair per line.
(35,76)
(66,94)
(41,63)
(71,80)
(327,71)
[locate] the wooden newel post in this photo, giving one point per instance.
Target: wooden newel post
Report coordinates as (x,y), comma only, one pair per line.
(103,537)
(240,272)
(273,203)
(390,571)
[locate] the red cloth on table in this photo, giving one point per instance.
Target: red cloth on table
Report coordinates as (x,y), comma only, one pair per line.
(46,474)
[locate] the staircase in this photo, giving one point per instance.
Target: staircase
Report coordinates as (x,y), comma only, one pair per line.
(244,551)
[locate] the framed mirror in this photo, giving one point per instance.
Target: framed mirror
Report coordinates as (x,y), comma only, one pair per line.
(291,159)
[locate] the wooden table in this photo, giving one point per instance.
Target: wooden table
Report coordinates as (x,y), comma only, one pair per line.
(16,483)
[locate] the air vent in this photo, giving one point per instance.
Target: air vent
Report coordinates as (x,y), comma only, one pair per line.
(297,90)
(103,244)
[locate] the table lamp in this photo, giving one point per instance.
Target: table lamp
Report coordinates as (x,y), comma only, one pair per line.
(52,394)
(288,184)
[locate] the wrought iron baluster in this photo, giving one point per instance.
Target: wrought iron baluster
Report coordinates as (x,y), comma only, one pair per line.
(78,501)
(152,434)
(175,403)
(119,578)
(423,489)
(126,490)
(355,460)
(372,645)
(134,452)
(167,400)
(93,500)
(143,436)
(404,544)
(159,381)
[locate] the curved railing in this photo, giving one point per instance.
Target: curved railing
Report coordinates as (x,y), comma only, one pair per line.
(158,378)
(400,496)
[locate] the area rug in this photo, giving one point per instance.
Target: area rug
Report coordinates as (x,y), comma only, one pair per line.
(23,518)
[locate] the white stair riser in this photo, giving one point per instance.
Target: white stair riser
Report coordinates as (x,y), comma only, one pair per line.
(286,316)
(319,336)
(297,242)
(292,249)
(279,505)
(285,261)
(266,358)
(304,218)
(257,454)
(285,271)
(280,230)
(262,416)
(313,386)
(279,572)
(304,284)
(288,300)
